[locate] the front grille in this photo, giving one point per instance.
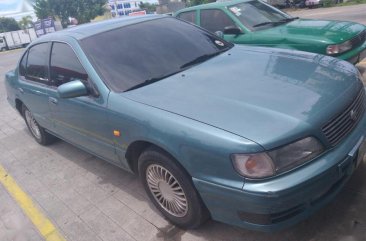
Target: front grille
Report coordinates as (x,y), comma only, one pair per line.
(344,123)
(359,39)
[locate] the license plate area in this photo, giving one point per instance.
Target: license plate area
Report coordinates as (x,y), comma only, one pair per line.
(354,158)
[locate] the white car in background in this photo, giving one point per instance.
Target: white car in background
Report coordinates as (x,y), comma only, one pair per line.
(313,3)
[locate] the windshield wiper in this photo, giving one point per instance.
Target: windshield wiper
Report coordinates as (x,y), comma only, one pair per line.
(264,23)
(201,59)
(195,61)
(150,81)
(285,20)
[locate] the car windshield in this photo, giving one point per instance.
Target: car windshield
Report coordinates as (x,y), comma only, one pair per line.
(257,15)
(136,55)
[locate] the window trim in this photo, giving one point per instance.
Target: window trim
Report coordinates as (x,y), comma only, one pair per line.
(25,55)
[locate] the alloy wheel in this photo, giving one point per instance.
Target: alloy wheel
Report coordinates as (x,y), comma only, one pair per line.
(166,190)
(33,126)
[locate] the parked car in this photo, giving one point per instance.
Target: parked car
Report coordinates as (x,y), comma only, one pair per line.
(254,22)
(313,3)
(16,39)
(255,137)
(278,3)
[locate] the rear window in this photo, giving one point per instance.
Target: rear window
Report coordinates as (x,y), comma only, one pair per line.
(132,55)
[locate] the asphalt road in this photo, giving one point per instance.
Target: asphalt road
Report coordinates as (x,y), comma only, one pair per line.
(355,13)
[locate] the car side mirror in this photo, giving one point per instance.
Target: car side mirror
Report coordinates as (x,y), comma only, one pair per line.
(232,30)
(72,89)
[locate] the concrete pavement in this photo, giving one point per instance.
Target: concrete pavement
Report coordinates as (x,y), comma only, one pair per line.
(355,13)
(89,199)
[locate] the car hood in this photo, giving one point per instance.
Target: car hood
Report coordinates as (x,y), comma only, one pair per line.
(266,95)
(320,30)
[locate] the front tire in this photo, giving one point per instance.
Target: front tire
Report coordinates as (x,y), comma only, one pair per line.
(38,132)
(171,189)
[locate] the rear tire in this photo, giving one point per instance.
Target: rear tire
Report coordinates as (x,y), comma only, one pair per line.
(171,189)
(38,132)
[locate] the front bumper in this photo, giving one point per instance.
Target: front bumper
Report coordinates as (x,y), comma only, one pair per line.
(285,200)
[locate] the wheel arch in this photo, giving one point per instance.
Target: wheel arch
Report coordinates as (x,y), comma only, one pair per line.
(136,148)
(19,105)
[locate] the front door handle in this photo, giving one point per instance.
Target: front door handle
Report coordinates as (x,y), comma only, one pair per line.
(21,90)
(52,100)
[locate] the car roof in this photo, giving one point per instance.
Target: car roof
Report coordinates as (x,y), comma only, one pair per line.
(89,29)
(219,4)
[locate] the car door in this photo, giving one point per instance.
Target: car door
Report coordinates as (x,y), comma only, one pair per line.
(81,120)
(34,83)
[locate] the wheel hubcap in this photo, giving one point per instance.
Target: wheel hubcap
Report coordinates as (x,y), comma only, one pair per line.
(166,190)
(33,126)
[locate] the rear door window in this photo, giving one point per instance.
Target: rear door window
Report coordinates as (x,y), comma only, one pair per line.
(215,20)
(65,66)
(37,63)
(188,16)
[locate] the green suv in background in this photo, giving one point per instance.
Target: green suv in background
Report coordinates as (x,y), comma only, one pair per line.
(257,23)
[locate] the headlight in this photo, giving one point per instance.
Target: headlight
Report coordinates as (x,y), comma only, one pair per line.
(296,153)
(339,48)
(253,165)
(260,165)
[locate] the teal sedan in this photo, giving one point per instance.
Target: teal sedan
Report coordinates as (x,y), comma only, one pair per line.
(254,137)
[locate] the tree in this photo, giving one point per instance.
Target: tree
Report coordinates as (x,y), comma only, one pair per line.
(63,9)
(25,22)
(89,9)
(8,24)
(42,9)
(82,10)
(148,7)
(199,2)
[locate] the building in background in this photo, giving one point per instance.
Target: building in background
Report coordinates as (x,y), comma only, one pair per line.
(123,7)
(17,9)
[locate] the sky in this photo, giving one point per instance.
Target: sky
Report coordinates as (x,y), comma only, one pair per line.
(17,8)
(20,8)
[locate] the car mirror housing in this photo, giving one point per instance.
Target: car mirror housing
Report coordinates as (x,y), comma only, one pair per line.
(232,30)
(72,89)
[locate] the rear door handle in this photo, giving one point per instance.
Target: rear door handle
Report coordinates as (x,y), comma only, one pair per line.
(21,90)
(52,100)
